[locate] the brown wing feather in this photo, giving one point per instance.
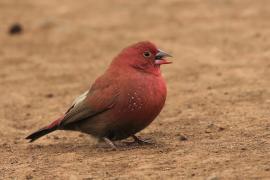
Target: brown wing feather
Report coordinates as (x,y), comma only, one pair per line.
(101,97)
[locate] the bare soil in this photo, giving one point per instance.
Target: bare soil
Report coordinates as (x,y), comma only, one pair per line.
(215,124)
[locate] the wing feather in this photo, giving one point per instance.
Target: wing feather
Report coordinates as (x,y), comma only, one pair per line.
(99,99)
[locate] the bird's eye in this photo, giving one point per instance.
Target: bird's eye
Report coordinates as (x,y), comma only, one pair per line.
(147,54)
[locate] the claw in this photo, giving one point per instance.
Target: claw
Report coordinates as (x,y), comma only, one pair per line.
(140,141)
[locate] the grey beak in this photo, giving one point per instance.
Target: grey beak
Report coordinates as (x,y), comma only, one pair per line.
(161,54)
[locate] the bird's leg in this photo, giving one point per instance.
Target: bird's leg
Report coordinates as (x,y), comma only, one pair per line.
(140,141)
(108,141)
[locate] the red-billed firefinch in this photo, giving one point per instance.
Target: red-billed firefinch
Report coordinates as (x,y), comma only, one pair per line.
(122,101)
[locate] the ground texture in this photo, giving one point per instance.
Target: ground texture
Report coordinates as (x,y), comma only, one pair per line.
(215,124)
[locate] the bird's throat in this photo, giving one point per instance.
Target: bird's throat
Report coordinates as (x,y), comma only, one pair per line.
(150,69)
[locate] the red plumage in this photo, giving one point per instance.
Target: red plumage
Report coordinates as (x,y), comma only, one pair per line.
(121,102)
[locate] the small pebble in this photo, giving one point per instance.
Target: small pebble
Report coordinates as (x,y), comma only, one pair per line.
(50,95)
(81,135)
(221,129)
(16,28)
(183,137)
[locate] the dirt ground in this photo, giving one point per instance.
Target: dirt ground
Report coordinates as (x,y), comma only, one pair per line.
(215,124)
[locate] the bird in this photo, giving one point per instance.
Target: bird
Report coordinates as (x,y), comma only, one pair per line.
(124,100)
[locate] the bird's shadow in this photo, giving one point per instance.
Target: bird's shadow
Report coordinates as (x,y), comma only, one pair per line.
(84,147)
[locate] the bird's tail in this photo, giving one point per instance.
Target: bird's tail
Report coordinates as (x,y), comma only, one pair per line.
(45,130)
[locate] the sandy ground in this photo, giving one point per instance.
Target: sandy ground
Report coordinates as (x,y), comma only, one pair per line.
(218,87)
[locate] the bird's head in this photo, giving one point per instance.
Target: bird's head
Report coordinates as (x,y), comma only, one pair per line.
(143,56)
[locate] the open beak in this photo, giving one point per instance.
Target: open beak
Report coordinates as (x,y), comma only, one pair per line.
(159,58)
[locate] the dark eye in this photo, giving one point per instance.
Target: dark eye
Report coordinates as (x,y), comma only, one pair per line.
(147,54)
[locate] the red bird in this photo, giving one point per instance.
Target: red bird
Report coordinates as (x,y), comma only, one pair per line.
(122,101)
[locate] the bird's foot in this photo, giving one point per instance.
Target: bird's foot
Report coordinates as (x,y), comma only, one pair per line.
(109,142)
(139,141)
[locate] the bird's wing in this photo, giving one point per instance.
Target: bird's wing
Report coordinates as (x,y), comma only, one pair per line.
(98,100)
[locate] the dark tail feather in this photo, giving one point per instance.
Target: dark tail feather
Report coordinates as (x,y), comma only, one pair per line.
(43,131)
(34,136)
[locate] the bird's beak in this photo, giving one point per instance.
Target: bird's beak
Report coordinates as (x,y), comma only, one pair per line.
(159,58)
